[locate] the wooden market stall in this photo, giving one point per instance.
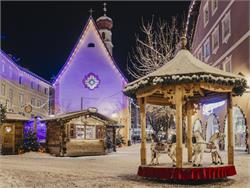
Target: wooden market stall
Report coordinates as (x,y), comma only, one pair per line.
(182,83)
(11,133)
(79,133)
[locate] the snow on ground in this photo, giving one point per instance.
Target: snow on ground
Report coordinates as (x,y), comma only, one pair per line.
(114,170)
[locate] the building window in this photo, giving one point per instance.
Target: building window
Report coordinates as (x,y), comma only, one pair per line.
(91,45)
(20,80)
(10,72)
(3,89)
(215,40)
(214,4)
(11,95)
(226,28)
(227,64)
(33,101)
(38,87)
(206,14)
(199,56)
(207,50)
(45,91)
(21,99)
(38,103)
(32,85)
(3,67)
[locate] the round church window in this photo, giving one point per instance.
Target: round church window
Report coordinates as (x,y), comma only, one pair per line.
(91,81)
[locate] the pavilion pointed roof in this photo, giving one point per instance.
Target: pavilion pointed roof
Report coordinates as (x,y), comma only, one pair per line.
(185,68)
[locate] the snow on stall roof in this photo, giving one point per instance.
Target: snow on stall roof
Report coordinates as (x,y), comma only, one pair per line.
(78,114)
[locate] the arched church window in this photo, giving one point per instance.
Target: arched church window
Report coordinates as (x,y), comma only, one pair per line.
(91,45)
(103,35)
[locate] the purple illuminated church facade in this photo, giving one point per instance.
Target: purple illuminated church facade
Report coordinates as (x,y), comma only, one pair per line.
(90,78)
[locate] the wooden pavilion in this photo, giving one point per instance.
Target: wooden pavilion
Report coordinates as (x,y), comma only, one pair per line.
(181,83)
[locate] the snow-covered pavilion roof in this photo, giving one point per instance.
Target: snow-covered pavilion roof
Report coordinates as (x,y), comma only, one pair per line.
(185,68)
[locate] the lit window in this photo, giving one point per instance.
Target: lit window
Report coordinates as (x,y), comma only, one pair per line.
(91,45)
(33,101)
(20,80)
(11,95)
(38,103)
(207,50)
(21,99)
(32,85)
(227,65)
(226,28)
(215,40)
(3,89)
(214,4)
(3,67)
(206,14)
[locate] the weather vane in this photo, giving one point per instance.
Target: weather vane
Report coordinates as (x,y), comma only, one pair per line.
(91,11)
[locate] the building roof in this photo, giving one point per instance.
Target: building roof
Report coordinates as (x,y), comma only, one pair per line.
(185,68)
(24,69)
(16,117)
(76,114)
(90,20)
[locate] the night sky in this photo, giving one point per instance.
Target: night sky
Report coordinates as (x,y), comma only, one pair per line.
(42,34)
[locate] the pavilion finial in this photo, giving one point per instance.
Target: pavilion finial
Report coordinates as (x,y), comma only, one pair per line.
(105,8)
(91,11)
(183,42)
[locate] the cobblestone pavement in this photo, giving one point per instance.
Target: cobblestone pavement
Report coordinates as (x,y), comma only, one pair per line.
(114,170)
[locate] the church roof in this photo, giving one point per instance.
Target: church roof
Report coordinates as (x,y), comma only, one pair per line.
(73,52)
(185,68)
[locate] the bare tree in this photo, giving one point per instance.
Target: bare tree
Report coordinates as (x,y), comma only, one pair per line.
(160,118)
(154,48)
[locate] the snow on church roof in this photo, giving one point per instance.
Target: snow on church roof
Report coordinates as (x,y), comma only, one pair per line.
(77,46)
(185,68)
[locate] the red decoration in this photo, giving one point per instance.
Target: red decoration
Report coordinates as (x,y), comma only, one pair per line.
(201,173)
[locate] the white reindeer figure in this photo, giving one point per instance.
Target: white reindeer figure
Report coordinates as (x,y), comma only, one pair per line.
(212,147)
(158,148)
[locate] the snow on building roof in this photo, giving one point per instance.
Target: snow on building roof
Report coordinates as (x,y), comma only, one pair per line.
(185,68)
(76,114)
(104,18)
(16,117)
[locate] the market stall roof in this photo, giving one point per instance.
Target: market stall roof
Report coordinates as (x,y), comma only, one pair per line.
(185,68)
(76,114)
(16,117)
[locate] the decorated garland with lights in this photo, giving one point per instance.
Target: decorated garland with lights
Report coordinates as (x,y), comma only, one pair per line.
(239,84)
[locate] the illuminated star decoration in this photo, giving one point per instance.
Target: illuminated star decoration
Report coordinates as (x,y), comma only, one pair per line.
(91,81)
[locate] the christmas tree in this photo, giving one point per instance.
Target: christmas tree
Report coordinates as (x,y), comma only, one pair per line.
(2,113)
(30,142)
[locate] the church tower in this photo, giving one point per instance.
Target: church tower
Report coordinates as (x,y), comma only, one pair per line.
(105,24)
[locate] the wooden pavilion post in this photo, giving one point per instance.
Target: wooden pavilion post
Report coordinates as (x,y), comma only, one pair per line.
(142,104)
(230,151)
(178,119)
(189,132)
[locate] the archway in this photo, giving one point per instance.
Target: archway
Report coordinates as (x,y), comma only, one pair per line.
(197,126)
(212,126)
(239,127)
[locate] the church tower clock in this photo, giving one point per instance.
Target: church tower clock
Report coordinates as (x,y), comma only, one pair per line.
(105,24)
